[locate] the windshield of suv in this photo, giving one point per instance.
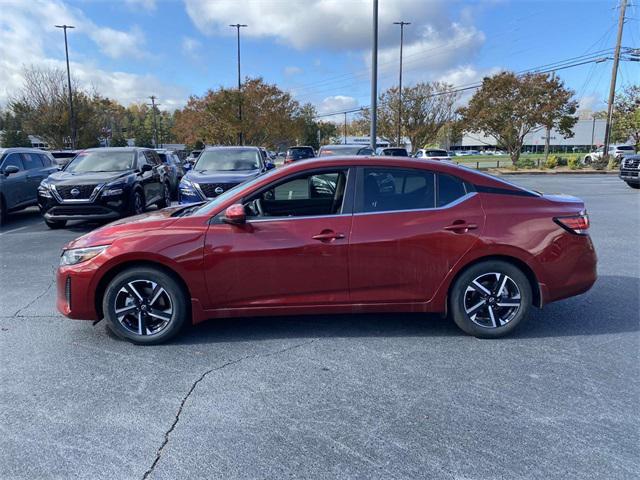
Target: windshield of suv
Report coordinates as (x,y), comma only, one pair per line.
(228,160)
(298,153)
(334,150)
(101,161)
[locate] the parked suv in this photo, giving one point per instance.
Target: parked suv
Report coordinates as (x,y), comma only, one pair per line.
(104,184)
(175,170)
(616,151)
(298,153)
(21,171)
(433,154)
(630,170)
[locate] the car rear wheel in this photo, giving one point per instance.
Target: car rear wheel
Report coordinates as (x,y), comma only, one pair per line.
(55,224)
(166,196)
(490,299)
(587,160)
(145,306)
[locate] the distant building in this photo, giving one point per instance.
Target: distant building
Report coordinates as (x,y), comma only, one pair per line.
(586,132)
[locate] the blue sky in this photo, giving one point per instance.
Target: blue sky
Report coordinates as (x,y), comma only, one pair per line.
(317,49)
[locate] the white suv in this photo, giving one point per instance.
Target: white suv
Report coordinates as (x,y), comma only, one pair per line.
(433,154)
(617,151)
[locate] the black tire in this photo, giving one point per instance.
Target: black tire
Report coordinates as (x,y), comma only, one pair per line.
(55,224)
(634,185)
(588,160)
(3,212)
(143,279)
(166,196)
(137,202)
(486,320)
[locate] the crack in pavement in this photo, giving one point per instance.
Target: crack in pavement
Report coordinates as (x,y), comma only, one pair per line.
(46,290)
(176,418)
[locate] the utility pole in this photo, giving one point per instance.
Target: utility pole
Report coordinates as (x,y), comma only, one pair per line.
(72,122)
(344,130)
(238,26)
(155,125)
(614,76)
(374,79)
(402,24)
(547,139)
(593,130)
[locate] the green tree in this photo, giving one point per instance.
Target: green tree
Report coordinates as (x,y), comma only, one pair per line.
(509,107)
(13,135)
(626,116)
(118,141)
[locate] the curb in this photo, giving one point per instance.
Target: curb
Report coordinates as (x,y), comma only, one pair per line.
(496,171)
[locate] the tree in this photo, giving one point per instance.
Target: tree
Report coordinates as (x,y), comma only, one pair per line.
(118,140)
(426,108)
(13,135)
(626,116)
(310,127)
(510,106)
(270,116)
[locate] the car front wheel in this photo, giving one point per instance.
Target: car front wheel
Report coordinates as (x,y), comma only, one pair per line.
(490,299)
(166,196)
(145,306)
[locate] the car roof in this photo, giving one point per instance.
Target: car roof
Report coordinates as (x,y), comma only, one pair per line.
(21,150)
(337,146)
(114,149)
(231,147)
(299,146)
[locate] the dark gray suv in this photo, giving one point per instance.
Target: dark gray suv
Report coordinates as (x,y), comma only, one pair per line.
(21,171)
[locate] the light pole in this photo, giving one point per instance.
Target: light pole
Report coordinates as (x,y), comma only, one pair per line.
(155,125)
(345,128)
(238,26)
(374,79)
(72,125)
(402,24)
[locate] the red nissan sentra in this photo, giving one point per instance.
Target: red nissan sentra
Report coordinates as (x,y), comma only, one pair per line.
(335,235)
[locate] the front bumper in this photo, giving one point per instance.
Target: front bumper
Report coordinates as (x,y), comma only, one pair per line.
(76,292)
(100,209)
(630,175)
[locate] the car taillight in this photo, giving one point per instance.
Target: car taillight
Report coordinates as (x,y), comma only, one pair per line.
(578,224)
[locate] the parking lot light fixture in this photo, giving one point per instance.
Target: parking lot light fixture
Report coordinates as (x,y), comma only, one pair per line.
(71,115)
(238,26)
(402,24)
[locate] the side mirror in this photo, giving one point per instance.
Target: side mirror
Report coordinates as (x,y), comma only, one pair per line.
(235,214)
(11,169)
(270,166)
(146,168)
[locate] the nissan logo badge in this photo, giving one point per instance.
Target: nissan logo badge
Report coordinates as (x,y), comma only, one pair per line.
(219,190)
(75,192)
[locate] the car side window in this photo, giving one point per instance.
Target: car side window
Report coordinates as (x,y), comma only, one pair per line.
(143,159)
(392,189)
(153,158)
(31,161)
(12,159)
(305,195)
(46,161)
(449,189)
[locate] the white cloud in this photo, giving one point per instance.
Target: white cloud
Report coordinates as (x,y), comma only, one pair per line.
(336,103)
(293,70)
(190,46)
(592,103)
(118,44)
(335,24)
(148,5)
(27,37)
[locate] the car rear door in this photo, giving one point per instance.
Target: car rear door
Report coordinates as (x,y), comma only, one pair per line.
(294,253)
(35,168)
(15,189)
(410,227)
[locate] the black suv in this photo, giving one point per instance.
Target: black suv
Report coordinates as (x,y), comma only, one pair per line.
(630,170)
(104,184)
(21,171)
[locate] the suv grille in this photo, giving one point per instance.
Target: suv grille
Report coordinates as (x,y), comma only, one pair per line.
(209,189)
(85,191)
(631,163)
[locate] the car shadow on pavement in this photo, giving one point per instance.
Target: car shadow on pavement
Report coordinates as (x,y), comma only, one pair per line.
(610,307)
(21,218)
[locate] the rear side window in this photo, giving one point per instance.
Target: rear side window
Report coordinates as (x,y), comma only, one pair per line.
(449,189)
(391,189)
(12,159)
(46,161)
(31,161)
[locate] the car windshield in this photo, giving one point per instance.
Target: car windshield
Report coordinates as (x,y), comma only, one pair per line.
(625,147)
(101,161)
(435,153)
(332,151)
(395,152)
(228,160)
(299,153)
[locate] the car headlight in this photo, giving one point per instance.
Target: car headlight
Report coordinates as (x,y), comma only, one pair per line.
(74,256)
(188,188)
(113,189)
(43,189)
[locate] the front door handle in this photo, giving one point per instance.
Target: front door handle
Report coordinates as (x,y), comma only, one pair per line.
(460,226)
(328,236)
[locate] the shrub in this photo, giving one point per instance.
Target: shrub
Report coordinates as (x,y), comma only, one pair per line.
(599,163)
(562,161)
(552,162)
(614,163)
(525,163)
(574,163)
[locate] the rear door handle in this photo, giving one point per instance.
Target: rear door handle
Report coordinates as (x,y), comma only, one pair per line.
(328,236)
(461,227)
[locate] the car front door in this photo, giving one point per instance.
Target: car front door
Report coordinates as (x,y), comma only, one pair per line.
(292,250)
(410,227)
(14,186)
(35,168)
(150,179)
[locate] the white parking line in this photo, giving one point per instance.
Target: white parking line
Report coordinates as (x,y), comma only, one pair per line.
(13,230)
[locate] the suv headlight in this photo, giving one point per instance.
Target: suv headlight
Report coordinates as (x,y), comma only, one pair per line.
(43,189)
(113,189)
(74,256)
(188,188)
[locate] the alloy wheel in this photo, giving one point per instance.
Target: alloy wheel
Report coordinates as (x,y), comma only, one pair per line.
(492,300)
(143,307)
(138,203)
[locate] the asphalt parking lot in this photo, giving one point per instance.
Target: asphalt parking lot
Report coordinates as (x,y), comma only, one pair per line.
(371,396)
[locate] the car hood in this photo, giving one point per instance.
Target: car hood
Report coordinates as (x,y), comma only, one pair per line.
(88,178)
(145,222)
(212,176)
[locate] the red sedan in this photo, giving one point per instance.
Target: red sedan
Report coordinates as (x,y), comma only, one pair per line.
(336,235)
